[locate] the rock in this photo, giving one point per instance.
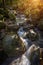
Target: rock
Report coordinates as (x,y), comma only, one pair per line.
(2,25)
(11,45)
(25,58)
(40,26)
(11,26)
(32,35)
(8,44)
(22,35)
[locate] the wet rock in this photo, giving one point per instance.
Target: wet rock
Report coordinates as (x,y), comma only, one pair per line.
(12,45)
(25,58)
(8,43)
(11,26)
(32,35)
(27,36)
(22,35)
(27,25)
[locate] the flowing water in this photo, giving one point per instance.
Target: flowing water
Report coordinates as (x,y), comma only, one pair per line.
(25,58)
(25,40)
(20,19)
(22,35)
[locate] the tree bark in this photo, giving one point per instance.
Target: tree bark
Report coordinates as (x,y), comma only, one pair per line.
(3,1)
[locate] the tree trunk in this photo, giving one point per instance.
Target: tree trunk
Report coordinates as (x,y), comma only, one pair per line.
(3,2)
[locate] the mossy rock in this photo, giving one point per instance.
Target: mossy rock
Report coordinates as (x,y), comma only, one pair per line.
(11,16)
(11,45)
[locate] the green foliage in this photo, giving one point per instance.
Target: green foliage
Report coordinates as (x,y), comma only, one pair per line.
(4,13)
(11,16)
(1,17)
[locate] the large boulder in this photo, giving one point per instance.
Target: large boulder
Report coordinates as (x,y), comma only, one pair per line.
(11,45)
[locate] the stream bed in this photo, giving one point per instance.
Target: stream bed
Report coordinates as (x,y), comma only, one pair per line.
(27,35)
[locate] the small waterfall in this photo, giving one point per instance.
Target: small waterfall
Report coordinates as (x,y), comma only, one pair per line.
(22,35)
(20,18)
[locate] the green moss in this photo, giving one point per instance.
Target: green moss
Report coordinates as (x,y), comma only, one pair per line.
(12,16)
(12,45)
